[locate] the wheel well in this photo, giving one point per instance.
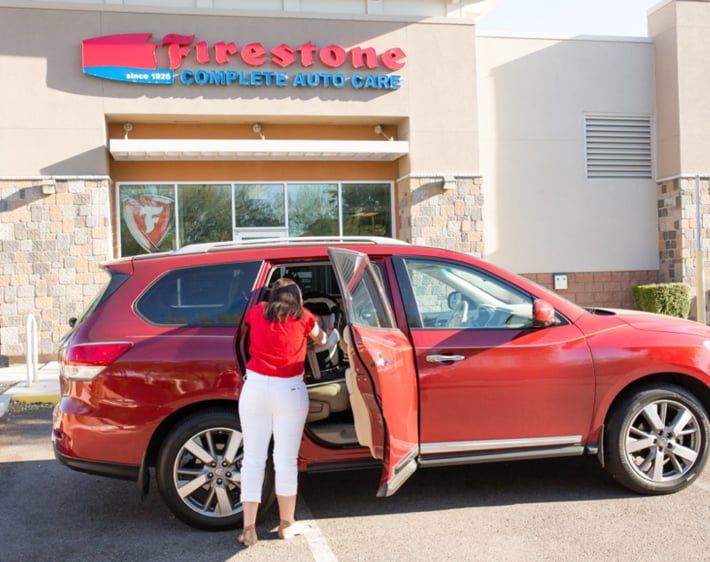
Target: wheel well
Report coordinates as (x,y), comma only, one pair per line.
(692,385)
(176,417)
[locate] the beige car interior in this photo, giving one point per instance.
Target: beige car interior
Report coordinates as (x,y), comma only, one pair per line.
(337,413)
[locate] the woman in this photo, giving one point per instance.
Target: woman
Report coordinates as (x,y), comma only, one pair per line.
(274,400)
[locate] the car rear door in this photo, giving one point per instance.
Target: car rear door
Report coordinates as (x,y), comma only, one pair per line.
(384,366)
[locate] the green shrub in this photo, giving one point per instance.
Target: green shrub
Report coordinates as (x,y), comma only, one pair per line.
(672,299)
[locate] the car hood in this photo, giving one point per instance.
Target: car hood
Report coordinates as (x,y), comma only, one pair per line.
(657,322)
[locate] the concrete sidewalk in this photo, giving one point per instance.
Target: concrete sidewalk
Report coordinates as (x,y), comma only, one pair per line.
(46,389)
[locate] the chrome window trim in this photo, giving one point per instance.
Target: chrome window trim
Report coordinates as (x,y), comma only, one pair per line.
(448,447)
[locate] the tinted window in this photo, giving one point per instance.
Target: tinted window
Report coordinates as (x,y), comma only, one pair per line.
(449,295)
(368,306)
(114,281)
(200,296)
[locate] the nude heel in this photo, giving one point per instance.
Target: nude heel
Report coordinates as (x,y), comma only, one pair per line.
(248,536)
(284,531)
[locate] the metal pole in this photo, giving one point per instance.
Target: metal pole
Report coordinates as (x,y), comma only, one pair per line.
(699,261)
(31,350)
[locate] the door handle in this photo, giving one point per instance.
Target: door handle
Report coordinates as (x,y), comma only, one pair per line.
(444,358)
(381,362)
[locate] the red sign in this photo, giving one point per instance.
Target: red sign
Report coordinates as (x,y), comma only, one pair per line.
(136,50)
(148,219)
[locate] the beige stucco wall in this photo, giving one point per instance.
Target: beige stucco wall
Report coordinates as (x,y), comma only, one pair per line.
(681,33)
(541,214)
(52,119)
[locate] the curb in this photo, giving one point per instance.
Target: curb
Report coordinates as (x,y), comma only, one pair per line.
(6,399)
(51,398)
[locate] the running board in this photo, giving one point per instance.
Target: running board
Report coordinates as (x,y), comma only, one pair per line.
(509,455)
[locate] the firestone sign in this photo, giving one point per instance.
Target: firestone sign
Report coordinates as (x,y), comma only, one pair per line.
(132,58)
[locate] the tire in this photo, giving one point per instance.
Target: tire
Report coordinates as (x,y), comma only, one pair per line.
(661,453)
(206,506)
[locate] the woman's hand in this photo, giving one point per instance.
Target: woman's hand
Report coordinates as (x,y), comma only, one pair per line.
(318,336)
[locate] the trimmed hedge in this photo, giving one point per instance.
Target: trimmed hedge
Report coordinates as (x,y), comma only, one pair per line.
(672,299)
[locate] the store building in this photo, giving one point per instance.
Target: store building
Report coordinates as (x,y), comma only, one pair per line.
(135,126)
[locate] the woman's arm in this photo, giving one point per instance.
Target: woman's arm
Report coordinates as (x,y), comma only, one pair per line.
(318,336)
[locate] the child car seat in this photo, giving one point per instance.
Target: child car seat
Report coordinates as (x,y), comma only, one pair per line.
(322,360)
(328,394)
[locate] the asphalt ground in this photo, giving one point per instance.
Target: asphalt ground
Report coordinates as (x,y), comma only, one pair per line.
(538,510)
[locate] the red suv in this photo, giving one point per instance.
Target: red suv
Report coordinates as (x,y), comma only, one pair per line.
(443,359)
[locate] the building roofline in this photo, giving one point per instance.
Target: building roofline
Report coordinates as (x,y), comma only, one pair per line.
(176,11)
(562,37)
(658,6)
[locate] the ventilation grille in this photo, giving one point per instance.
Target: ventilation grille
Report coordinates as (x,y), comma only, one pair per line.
(618,146)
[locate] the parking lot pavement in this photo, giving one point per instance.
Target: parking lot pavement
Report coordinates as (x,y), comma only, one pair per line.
(553,509)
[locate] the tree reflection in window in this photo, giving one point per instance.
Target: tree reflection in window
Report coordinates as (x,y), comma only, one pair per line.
(259,205)
(367,209)
(313,209)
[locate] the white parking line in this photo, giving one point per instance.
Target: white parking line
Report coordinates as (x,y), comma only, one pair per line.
(320,549)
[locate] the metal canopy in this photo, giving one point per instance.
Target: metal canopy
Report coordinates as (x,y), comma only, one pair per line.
(257,149)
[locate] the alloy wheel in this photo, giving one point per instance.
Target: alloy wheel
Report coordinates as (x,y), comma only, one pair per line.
(207,472)
(663,441)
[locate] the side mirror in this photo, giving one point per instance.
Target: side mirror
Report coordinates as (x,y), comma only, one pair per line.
(454,299)
(543,314)
(72,321)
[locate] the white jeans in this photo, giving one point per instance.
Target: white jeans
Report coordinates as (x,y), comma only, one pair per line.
(278,406)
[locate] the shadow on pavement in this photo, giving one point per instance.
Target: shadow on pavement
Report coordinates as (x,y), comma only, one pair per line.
(433,489)
(50,512)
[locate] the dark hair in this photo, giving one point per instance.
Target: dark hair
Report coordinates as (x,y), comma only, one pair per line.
(284,301)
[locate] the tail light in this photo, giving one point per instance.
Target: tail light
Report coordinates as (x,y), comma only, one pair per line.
(85,361)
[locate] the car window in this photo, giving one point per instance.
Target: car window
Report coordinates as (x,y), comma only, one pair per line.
(449,295)
(200,296)
(368,306)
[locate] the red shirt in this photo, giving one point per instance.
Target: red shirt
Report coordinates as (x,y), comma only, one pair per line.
(277,349)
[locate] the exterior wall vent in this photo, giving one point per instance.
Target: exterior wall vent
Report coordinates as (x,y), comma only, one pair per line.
(618,146)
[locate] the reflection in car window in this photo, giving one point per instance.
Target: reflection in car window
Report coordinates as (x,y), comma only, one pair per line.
(368,308)
(200,296)
(450,295)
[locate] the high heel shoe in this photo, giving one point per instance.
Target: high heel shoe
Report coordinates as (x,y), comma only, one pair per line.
(248,536)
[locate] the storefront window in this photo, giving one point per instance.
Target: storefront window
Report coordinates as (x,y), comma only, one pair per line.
(147,218)
(205,213)
(313,209)
(259,205)
(156,218)
(367,209)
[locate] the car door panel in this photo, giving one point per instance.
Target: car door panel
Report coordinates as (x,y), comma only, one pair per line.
(509,384)
(385,373)
(487,385)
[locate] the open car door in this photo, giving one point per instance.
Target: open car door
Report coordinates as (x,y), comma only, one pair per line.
(382,379)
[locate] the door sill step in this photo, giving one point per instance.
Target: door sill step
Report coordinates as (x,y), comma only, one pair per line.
(509,455)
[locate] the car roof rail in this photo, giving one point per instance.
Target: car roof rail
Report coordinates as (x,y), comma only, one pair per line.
(303,240)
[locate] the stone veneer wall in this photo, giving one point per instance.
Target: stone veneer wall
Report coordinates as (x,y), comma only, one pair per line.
(430,215)
(610,289)
(677,227)
(51,245)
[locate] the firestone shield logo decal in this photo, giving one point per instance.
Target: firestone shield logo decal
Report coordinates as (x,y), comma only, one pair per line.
(148,219)
(125,58)
(133,57)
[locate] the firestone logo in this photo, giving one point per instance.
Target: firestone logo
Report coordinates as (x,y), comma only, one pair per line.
(132,58)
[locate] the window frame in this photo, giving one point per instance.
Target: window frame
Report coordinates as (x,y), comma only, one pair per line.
(377,262)
(411,306)
(159,278)
(116,216)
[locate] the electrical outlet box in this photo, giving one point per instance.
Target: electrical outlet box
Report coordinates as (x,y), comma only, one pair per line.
(559,281)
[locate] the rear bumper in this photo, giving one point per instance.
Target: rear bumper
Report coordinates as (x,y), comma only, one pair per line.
(101,434)
(122,471)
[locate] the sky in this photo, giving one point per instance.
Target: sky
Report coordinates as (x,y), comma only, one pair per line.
(568,17)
